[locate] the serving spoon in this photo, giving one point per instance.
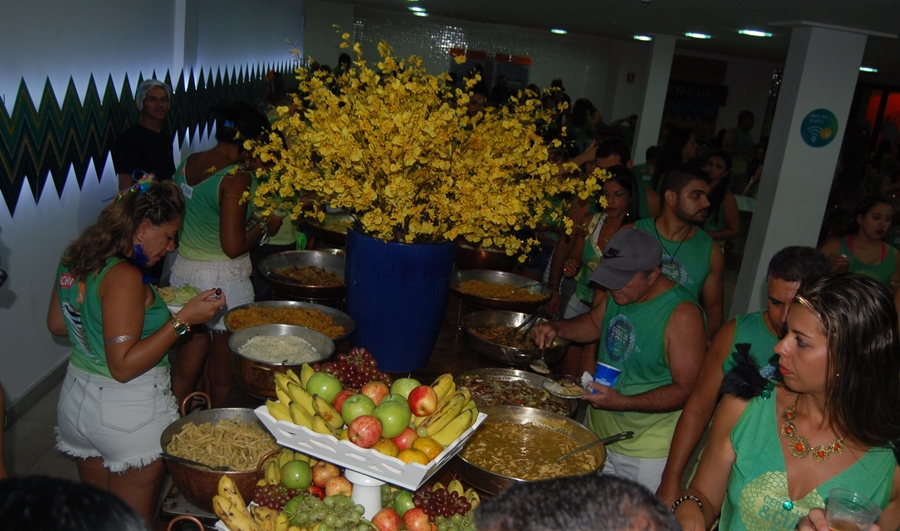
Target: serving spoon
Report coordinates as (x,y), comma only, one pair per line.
(186,461)
(609,440)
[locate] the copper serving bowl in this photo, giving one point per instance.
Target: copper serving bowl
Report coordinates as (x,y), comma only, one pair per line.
(332,231)
(470,256)
(198,484)
(499,277)
(331,260)
(503,353)
(258,377)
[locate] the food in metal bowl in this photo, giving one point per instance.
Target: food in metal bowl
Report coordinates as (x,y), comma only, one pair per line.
(310,276)
(497,391)
(290,350)
(489,290)
(525,451)
(228,442)
(260,315)
(506,336)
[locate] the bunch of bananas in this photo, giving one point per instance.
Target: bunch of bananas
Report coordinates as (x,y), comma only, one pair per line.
(470,495)
(273,465)
(296,405)
(455,413)
(231,509)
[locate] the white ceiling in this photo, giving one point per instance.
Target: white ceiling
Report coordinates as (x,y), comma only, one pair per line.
(621,19)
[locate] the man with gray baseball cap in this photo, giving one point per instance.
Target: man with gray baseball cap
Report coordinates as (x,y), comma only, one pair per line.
(649,328)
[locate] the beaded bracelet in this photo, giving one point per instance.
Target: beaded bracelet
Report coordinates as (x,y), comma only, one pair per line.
(686,497)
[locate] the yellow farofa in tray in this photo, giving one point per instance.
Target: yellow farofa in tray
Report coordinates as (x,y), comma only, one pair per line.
(489,290)
(228,442)
(257,315)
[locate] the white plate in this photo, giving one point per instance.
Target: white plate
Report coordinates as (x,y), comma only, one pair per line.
(557,379)
(363,460)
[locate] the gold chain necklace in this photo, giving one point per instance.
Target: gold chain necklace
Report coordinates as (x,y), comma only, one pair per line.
(799,445)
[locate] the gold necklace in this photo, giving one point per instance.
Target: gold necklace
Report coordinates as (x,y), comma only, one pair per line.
(799,445)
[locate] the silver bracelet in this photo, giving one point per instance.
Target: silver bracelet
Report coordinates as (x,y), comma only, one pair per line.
(119,339)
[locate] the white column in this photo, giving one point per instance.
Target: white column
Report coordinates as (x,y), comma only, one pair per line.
(820,73)
(650,117)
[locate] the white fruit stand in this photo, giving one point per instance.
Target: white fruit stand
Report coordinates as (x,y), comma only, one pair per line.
(366,469)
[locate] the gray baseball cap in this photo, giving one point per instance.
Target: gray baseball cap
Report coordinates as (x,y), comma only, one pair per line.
(628,252)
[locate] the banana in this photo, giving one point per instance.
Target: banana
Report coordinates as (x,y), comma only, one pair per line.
(305,372)
(473,498)
(261,483)
(229,490)
(299,456)
(301,397)
(320,426)
(236,518)
(471,405)
(437,486)
(331,416)
(282,396)
(294,528)
(447,411)
(273,472)
(456,486)
(444,386)
(285,456)
(281,382)
(300,416)
(261,513)
(282,522)
(454,429)
(278,410)
(466,393)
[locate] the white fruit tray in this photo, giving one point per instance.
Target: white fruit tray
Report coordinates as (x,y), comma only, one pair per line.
(363,460)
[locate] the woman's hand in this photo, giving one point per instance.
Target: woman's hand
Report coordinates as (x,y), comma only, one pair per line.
(690,517)
(839,262)
(203,307)
(553,305)
(571,267)
(273,223)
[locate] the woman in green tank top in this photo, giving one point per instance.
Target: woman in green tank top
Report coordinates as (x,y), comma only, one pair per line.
(724,220)
(829,423)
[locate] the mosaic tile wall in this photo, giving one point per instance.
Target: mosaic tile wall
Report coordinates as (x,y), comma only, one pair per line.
(66,131)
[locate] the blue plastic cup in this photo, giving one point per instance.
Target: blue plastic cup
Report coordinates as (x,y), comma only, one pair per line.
(605,375)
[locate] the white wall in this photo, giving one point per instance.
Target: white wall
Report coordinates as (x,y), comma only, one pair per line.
(47,39)
(321,39)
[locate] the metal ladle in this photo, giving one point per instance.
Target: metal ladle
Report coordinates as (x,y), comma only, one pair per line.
(609,440)
(186,461)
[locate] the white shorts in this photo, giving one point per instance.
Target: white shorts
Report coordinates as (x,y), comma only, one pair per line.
(120,422)
(647,472)
(575,307)
(233,276)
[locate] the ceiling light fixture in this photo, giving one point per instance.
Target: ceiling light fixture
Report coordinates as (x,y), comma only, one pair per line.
(754,33)
(558,31)
(417,9)
(868,69)
(420,13)
(694,35)
(645,38)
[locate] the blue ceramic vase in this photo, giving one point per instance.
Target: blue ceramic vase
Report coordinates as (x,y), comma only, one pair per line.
(397,294)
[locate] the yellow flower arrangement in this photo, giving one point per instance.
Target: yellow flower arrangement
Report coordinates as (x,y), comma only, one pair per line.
(395,148)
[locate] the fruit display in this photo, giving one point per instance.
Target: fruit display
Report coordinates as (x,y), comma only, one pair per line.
(355,369)
(430,508)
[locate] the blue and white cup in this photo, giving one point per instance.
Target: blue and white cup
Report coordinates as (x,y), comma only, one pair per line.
(605,375)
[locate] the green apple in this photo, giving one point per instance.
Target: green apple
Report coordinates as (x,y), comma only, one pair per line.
(402,386)
(394,417)
(404,502)
(356,406)
(393,397)
(296,474)
(324,385)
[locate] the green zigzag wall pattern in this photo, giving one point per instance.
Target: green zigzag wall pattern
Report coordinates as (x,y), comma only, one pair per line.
(46,141)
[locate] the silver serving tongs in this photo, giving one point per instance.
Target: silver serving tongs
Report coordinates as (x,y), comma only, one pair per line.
(529,323)
(609,440)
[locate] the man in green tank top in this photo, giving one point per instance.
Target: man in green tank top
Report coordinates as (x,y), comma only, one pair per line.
(690,256)
(761,331)
(651,329)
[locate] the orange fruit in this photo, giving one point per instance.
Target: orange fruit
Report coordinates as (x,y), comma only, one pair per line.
(428,446)
(387,447)
(411,455)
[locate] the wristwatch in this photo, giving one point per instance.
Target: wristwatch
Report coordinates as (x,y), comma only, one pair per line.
(181,328)
(263,224)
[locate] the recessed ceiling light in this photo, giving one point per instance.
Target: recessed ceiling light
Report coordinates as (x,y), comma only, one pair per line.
(697,35)
(754,33)
(868,69)
(558,31)
(645,38)
(417,9)
(420,13)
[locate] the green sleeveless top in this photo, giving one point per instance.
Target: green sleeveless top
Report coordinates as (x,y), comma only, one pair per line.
(742,140)
(687,262)
(83,313)
(718,224)
(199,238)
(881,271)
(751,329)
(757,487)
(590,259)
(633,340)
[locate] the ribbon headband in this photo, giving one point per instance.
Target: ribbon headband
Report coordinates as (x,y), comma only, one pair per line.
(140,185)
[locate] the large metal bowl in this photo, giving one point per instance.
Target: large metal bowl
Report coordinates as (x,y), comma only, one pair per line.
(258,377)
(517,378)
(340,318)
(331,260)
(503,353)
(198,484)
(469,256)
(499,277)
(332,231)
(494,483)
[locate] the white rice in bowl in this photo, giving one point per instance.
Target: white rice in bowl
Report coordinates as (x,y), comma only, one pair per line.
(292,350)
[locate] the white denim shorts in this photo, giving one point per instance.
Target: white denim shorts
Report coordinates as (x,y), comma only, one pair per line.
(233,276)
(120,422)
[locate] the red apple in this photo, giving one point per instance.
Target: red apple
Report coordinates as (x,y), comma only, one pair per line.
(338,485)
(364,431)
(376,391)
(316,491)
(423,401)
(323,471)
(417,520)
(387,519)
(405,439)
(344,394)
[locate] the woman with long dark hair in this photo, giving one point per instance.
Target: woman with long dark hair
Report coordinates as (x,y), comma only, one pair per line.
(680,148)
(724,219)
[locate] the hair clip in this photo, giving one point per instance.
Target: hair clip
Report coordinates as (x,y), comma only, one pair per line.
(228,123)
(140,185)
